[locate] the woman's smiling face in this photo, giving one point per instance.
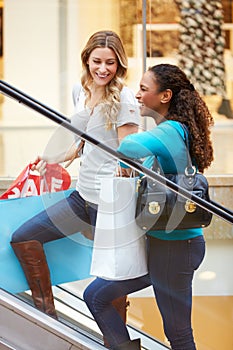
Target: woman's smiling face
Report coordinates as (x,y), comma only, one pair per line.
(103,65)
(148,95)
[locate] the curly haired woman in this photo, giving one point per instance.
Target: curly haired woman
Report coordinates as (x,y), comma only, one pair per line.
(167,96)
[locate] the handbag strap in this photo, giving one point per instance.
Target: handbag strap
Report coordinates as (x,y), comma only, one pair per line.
(190,170)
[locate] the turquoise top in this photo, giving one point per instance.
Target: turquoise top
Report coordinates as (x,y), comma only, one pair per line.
(166,142)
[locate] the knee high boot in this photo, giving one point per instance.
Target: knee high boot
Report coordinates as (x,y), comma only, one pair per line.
(129,345)
(33,261)
(121,304)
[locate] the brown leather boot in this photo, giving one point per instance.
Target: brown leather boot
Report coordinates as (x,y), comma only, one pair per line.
(121,305)
(33,261)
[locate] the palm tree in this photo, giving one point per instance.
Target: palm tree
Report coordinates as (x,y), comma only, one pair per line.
(201,48)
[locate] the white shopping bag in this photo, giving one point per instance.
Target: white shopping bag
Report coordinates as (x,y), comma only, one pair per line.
(119,250)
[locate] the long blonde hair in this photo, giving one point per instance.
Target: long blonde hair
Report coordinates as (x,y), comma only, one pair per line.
(111,98)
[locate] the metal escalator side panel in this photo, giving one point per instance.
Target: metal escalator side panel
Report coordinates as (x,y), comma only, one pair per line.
(27,328)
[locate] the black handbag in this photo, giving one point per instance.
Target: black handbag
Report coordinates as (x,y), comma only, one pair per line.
(160,208)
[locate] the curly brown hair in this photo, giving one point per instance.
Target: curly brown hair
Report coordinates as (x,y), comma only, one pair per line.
(189,108)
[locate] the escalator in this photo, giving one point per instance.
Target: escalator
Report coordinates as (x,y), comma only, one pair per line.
(22,327)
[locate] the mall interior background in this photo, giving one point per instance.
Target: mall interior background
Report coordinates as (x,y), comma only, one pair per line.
(40,46)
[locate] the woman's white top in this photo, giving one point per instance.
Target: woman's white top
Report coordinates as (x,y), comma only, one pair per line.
(96,163)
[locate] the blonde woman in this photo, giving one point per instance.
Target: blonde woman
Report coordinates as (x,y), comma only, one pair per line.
(106,110)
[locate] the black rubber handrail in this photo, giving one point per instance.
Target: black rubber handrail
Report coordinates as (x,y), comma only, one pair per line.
(10,87)
(213,207)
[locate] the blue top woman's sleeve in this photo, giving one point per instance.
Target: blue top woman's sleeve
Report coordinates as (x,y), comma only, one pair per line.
(165,141)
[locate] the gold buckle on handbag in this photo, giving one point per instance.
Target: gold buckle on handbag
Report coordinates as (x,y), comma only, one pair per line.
(154,208)
(190,206)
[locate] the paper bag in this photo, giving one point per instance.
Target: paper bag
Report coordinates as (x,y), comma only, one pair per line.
(119,250)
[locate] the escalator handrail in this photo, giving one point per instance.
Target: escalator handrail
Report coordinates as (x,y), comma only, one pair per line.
(34,100)
(213,207)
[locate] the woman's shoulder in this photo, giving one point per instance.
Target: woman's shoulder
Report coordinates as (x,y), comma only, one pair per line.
(76,92)
(127,94)
(172,126)
(77,87)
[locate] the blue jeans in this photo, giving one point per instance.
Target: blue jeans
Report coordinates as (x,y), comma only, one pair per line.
(68,216)
(171,268)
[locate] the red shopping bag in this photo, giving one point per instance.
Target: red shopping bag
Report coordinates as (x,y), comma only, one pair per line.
(30,183)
